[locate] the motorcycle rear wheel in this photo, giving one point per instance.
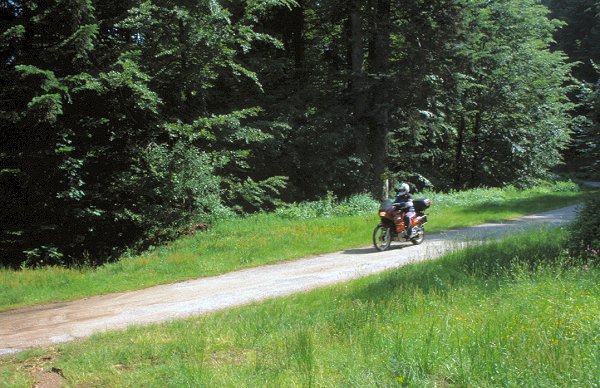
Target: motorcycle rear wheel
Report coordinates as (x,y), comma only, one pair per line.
(382,237)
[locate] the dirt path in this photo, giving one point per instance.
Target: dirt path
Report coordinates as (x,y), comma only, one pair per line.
(50,324)
(592,184)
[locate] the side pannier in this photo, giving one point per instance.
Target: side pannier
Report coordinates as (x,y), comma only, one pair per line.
(421,204)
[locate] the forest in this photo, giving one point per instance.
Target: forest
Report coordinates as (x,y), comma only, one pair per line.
(126,123)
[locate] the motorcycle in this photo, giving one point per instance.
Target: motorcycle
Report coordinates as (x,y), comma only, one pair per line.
(391,227)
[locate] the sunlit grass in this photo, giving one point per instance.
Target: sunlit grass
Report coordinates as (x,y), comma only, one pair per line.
(263,239)
(516,312)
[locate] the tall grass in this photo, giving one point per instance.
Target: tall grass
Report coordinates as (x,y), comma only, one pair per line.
(515,312)
(292,232)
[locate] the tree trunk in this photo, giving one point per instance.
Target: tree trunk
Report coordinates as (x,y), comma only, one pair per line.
(458,173)
(477,151)
(379,64)
(298,41)
(358,92)
(182,47)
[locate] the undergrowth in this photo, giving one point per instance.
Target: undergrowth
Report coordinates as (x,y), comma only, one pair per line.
(329,206)
(585,239)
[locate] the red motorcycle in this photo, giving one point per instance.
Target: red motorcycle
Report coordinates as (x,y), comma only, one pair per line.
(391,228)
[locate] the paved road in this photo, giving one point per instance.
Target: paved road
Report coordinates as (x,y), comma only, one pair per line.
(50,324)
(592,184)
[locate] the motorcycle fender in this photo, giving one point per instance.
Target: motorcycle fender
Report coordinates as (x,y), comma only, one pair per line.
(421,220)
(386,222)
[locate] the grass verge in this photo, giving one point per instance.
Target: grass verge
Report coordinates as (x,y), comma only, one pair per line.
(514,312)
(264,239)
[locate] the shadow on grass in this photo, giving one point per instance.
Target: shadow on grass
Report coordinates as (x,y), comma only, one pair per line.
(528,205)
(485,266)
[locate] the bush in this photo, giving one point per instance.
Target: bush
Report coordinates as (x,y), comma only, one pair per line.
(356,204)
(329,207)
(585,238)
(556,187)
(467,198)
(170,188)
(495,195)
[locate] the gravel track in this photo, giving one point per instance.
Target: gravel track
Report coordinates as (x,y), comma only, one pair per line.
(46,325)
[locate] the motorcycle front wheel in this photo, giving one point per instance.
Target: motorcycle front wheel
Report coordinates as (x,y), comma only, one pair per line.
(382,237)
(420,236)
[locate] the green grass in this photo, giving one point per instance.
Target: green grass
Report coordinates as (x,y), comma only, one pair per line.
(515,312)
(264,239)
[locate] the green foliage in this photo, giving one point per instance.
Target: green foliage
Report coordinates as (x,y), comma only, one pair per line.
(480,197)
(117,135)
(463,93)
(579,36)
(253,195)
(266,95)
(506,99)
(585,237)
(359,204)
(587,128)
(166,188)
(11,35)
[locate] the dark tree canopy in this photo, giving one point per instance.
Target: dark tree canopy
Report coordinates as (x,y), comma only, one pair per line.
(579,38)
(124,122)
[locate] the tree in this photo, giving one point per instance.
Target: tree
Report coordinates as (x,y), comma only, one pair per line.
(116,134)
(579,37)
(492,96)
(128,120)
(40,177)
(586,139)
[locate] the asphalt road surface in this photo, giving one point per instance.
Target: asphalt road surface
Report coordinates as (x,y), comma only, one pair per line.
(61,322)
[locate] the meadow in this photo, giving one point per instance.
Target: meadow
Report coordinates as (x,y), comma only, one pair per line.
(516,312)
(291,232)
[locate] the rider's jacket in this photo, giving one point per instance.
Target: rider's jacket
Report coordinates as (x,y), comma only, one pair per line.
(403,199)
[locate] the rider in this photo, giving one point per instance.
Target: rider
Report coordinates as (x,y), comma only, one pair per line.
(404,202)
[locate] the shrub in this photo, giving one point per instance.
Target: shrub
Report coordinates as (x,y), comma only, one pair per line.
(556,187)
(585,238)
(565,186)
(356,204)
(497,196)
(169,188)
(466,198)
(329,207)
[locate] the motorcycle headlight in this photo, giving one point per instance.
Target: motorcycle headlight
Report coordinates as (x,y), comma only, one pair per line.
(382,214)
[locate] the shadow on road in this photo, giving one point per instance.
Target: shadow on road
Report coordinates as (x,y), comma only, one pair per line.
(359,251)
(364,251)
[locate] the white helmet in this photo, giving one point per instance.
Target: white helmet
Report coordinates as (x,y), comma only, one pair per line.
(404,188)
